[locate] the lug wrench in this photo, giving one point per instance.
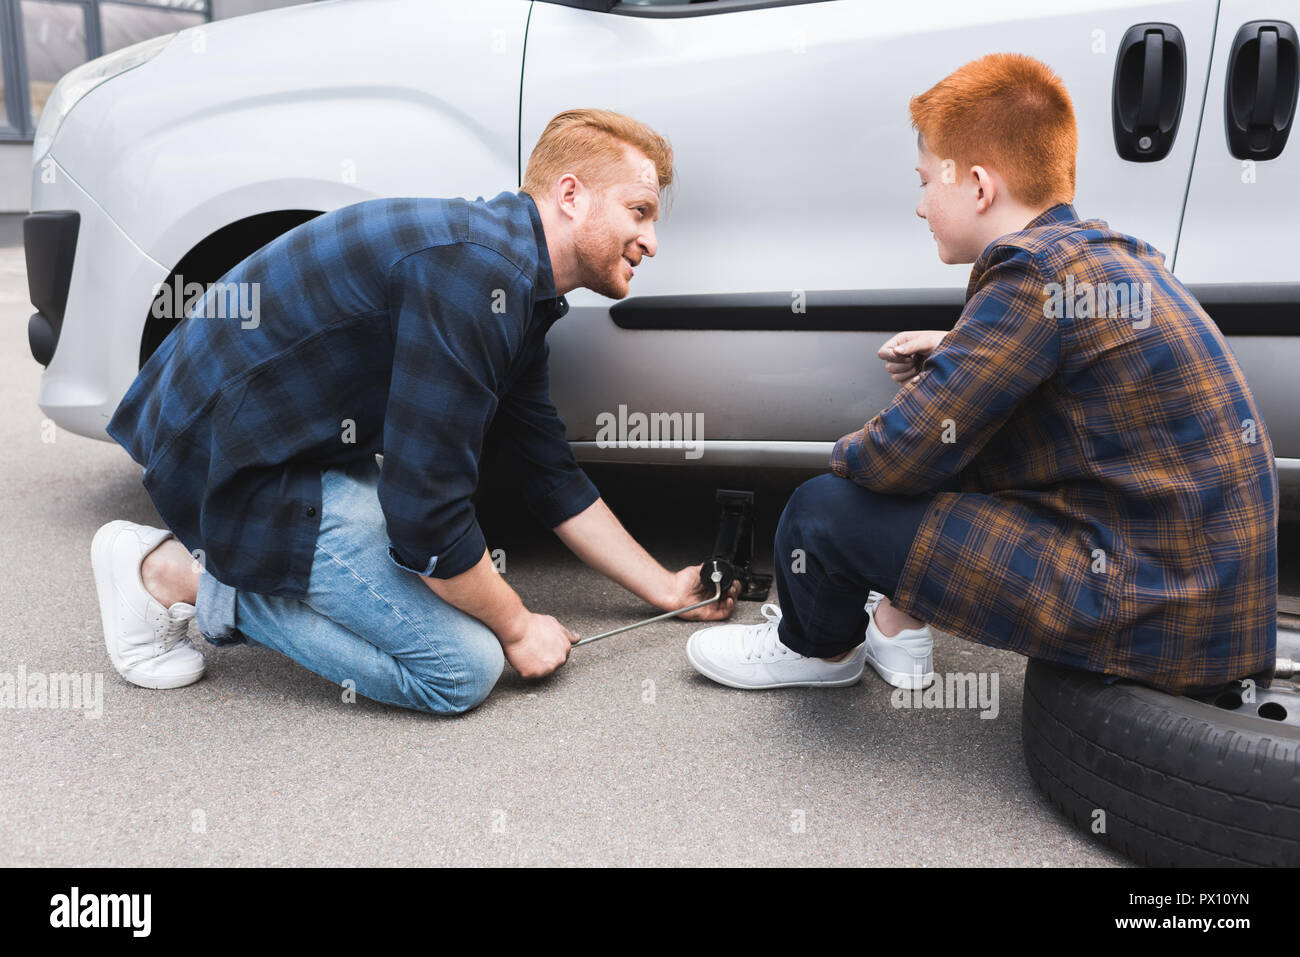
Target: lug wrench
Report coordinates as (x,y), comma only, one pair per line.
(715,577)
(732,554)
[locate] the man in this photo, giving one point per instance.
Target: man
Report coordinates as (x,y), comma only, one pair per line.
(401,326)
(1075,476)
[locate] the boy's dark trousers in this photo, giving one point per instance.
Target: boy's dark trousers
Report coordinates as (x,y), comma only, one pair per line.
(837,541)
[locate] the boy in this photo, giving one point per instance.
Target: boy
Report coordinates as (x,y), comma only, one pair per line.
(1076,472)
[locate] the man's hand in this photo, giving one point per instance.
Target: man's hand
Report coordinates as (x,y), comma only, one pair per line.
(600,540)
(687,590)
(905,352)
(538,645)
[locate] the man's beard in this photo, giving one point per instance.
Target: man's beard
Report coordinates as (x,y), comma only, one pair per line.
(595,247)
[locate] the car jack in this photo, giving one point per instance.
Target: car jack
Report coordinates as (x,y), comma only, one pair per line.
(733,553)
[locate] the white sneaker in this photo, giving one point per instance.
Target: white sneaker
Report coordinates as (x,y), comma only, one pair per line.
(752,656)
(905,660)
(146,642)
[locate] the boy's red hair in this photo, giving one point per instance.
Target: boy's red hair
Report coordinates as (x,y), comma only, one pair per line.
(1008,112)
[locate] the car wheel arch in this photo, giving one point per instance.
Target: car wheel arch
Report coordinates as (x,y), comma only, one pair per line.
(212,257)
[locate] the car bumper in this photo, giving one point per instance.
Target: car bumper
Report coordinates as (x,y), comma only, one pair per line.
(93,348)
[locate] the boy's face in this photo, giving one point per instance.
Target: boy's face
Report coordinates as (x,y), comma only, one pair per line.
(948,206)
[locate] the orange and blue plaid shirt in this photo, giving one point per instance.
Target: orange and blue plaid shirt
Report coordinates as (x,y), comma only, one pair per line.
(1116,495)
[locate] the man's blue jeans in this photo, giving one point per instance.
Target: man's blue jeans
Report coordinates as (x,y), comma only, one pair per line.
(364,620)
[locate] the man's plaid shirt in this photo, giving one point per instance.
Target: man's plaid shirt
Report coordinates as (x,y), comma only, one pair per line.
(401,326)
(1118,494)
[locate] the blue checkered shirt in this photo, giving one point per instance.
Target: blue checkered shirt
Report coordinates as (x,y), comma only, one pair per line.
(404,326)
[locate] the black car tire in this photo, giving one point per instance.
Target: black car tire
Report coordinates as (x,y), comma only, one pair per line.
(1209,780)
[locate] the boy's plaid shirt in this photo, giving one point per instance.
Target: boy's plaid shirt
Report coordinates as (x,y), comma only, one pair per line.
(1118,494)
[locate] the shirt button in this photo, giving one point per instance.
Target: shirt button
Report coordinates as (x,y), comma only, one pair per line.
(311,511)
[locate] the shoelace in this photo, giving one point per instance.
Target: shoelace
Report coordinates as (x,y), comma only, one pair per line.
(175,631)
(761,641)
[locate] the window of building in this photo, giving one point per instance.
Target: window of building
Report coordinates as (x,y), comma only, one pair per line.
(40,40)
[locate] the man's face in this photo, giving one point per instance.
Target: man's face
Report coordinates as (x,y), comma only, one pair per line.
(948,207)
(619,228)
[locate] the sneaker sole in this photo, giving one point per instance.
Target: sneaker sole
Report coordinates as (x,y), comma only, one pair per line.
(101,550)
(900,679)
(732,683)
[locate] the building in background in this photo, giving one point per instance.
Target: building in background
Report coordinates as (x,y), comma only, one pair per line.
(40,40)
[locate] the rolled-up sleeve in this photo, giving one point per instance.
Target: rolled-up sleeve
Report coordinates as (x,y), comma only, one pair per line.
(452,346)
(553,485)
(1003,347)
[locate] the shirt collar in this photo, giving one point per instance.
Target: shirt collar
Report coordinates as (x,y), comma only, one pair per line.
(553,306)
(1060,213)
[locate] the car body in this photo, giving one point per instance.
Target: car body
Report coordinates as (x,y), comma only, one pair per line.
(790,250)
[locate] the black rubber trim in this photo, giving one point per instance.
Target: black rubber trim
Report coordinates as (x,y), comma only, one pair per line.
(700,8)
(853,310)
(1238,309)
(50,246)
(597,6)
(1245,309)
(703,9)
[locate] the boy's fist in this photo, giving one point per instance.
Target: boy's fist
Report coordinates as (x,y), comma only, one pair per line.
(904,353)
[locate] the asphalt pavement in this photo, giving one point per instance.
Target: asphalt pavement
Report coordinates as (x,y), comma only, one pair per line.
(624,756)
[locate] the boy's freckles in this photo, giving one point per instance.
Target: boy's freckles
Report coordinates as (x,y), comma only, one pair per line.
(926,206)
(941,208)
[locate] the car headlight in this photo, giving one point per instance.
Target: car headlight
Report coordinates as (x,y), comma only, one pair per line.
(79,81)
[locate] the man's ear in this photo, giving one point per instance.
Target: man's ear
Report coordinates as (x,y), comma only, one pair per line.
(566,193)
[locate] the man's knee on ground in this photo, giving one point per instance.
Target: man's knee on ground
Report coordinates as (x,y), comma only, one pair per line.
(480,677)
(477,666)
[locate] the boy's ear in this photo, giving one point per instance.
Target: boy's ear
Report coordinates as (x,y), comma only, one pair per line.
(984,182)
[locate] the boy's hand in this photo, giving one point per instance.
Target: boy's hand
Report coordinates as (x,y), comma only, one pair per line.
(904,353)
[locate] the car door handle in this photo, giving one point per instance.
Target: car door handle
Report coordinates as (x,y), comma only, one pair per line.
(1147,98)
(1149,111)
(1259,99)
